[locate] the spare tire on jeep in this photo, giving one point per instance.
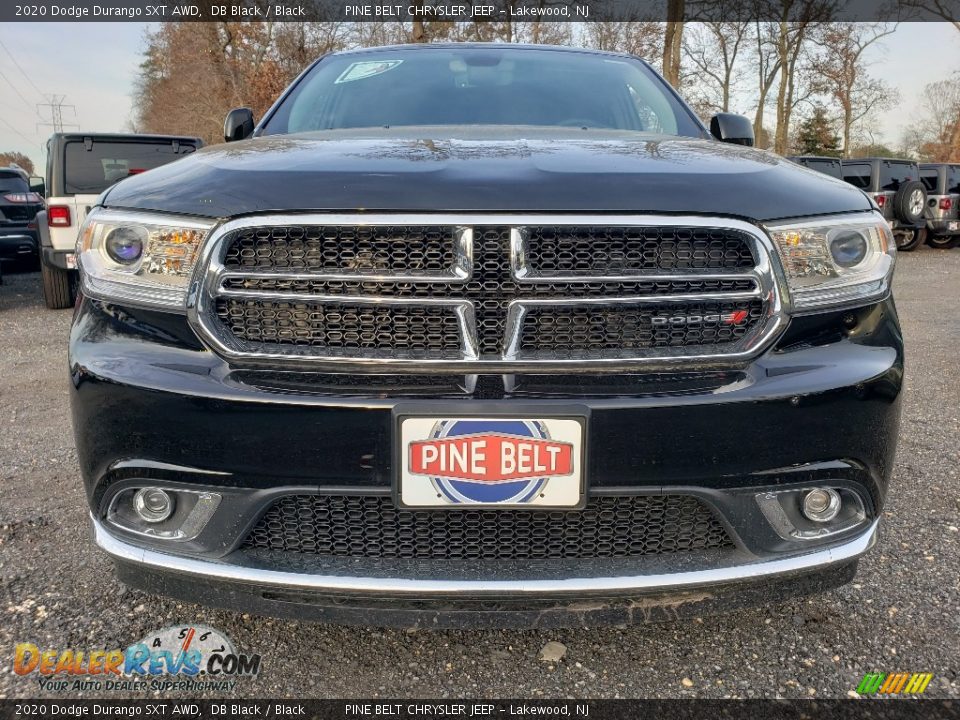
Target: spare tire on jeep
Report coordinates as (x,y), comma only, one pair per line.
(909,202)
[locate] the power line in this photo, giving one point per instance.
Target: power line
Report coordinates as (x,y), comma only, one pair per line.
(13,129)
(19,95)
(22,71)
(56,105)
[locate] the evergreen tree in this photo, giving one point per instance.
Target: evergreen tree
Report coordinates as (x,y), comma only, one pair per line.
(816,136)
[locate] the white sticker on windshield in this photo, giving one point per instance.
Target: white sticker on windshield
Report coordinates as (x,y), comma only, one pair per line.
(361,70)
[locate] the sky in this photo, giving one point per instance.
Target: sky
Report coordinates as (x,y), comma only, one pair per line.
(95,66)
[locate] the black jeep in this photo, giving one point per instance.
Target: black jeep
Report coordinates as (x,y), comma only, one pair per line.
(831,166)
(484,335)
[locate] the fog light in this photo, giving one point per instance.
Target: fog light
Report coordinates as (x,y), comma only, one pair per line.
(821,504)
(813,513)
(153,505)
(173,514)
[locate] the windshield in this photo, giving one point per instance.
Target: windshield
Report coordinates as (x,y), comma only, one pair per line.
(11,182)
(481,86)
(91,171)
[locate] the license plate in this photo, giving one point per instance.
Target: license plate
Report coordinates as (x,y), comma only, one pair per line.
(71,261)
(491,462)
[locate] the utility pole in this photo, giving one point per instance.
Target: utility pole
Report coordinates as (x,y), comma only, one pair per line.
(56,105)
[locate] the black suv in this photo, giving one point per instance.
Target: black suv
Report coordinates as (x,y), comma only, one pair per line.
(19,206)
(485,335)
(896,188)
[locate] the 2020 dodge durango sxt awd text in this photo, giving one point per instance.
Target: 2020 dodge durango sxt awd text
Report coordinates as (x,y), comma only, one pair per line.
(484,335)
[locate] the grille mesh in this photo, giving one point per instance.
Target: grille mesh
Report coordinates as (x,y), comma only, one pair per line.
(559,329)
(608,250)
(372,527)
(343,327)
(339,248)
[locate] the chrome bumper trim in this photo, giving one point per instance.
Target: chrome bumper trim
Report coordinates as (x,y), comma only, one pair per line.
(424,587)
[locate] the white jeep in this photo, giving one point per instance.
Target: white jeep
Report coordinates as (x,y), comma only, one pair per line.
(80,166)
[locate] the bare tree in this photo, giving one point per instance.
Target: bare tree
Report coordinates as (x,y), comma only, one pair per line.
(642,38)
(842,70)
(193,73)
(673,41)
(935,136)
(796,81)
(946,9)
(767,64)
(543,33)
(712,49)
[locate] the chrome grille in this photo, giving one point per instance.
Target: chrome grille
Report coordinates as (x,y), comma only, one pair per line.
(373,527)
(484,294)
(443,290)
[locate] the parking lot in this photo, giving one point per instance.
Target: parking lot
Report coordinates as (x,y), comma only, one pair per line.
(902,613)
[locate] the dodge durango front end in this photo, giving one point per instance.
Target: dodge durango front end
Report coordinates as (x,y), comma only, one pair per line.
(471,335)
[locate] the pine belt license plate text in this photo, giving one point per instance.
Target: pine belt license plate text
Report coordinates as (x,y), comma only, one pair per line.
(494,462)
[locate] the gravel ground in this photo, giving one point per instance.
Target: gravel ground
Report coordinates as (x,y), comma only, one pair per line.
(902,613)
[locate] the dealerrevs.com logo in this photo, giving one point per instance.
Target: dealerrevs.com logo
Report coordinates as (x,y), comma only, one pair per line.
(180,657)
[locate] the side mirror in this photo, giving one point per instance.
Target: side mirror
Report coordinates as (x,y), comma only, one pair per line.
(238,125)
(731,128)
(38,186)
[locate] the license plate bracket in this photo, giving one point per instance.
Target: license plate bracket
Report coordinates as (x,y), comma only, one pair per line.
(498,459)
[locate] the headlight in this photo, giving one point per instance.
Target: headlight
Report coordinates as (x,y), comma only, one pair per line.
(139,258)
(836,262)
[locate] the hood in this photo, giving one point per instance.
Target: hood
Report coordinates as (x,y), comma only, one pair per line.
(501,170)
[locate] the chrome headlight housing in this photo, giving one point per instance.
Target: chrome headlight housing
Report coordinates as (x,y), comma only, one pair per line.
(835,261)
(144,259)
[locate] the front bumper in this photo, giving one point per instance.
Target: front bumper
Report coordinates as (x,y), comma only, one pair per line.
(521,600)
(152,404)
